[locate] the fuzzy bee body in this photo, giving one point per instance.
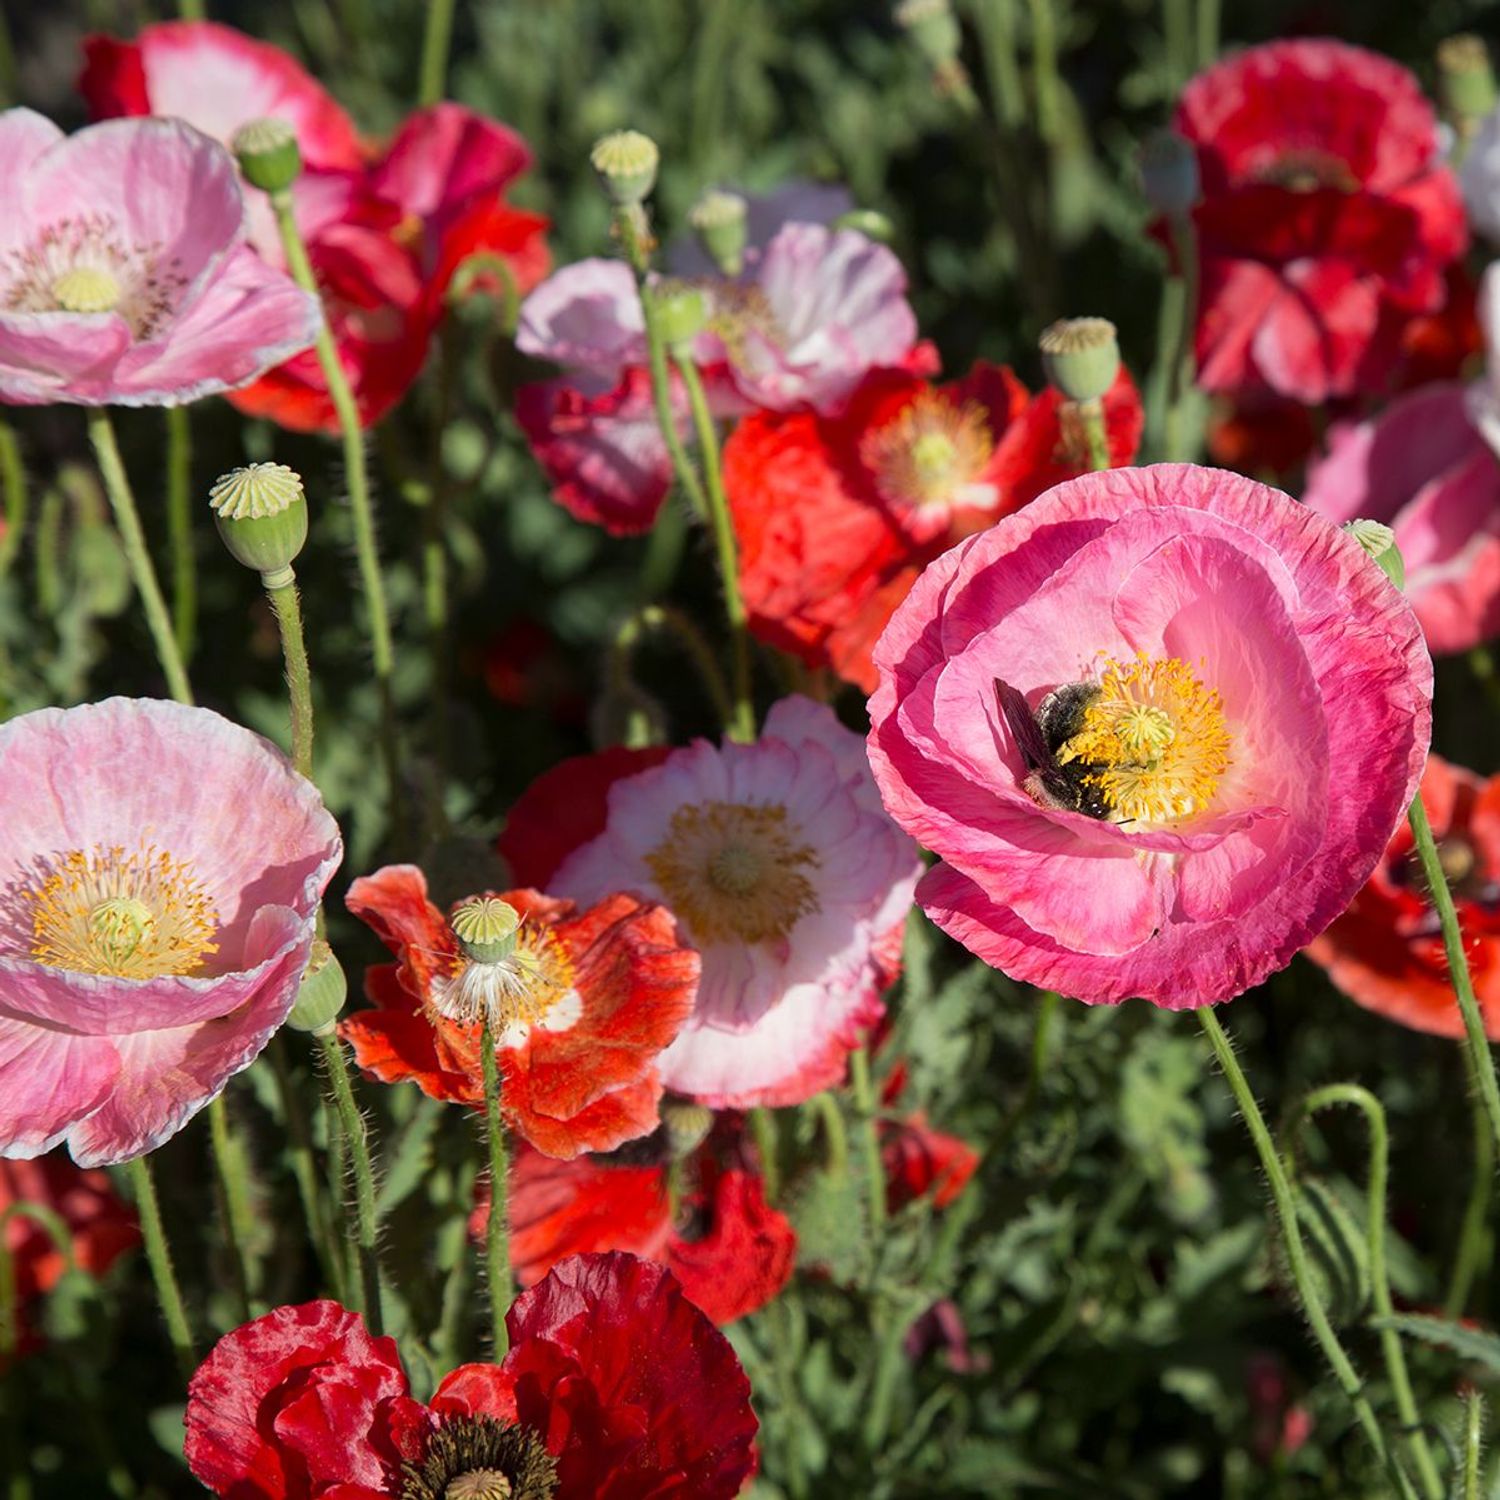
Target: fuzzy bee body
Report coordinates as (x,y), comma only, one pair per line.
(1039,735)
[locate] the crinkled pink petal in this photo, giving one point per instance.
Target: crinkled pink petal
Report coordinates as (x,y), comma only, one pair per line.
(51,357)
(49,1081)
(586,316)
(1313,339)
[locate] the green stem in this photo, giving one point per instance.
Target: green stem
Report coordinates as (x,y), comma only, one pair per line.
(13,484)
(1177,27)
(768,1148)
(1047,1009)
(663,551)
(452,1324)
(360,503)
(190,10)
(48,552)
(741,724)
(435,43)
(835,1133)
(1352,1094)
(1208,32)
(128,521)
(180,529)
(435,569)
(497,1225)
(234,1203)
(1044,68)
(1095,433)
(281,589)
(305,1170)
(159,1255)
(1473,1443)
(1291,1234)
(663,619)
(352,1128)
(1474,1237)
(1481,1059)
(869,1134)
(1180,371)
(888,1365)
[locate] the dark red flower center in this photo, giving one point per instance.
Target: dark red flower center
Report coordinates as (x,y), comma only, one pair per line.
(1307,169)
(481,1458)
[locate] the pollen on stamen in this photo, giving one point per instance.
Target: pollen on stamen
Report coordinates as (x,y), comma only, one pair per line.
(531,986)
(929,452)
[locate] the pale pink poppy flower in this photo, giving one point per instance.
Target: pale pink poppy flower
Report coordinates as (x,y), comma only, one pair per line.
(160,874)
(125,278)
(1244,711)
(782,869)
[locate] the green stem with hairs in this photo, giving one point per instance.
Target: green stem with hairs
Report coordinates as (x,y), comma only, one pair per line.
(436,38)
(305,1170)
(664,619)
(13,486)
(180,529)
(132,538)
(1296,1252)
(869,1135)
(1482,1061)
(1473,1443)
(234,1202)
(159,1256)
(768,1148)
(497,1225)
(281,590)
(835,1133)
(352,1128)
(1095,433)
(1208,32)
(1474,1239)
(1184,306)
(1045,82)
(1352,1095)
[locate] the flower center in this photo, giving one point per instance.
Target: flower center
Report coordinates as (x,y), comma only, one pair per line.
(86,289)
(733,870)
(531,985)
(479,1484)
(1307,170)
(481,1458)
(929,451)
(132,914)
(1153,741)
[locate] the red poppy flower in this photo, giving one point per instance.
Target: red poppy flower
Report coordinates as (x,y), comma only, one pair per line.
(729,1248)
(302,1404)
(579,1012)
(1326,220)
(919,1160)
(1387,952)
(836,516)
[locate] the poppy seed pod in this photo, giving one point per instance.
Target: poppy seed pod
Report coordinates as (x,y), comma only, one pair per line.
(626,161)
(1081,356)
(268,154)
(719,218)
(261,513)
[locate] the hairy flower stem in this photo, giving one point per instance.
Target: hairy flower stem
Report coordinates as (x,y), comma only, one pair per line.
(497,1225)
(15,496)
(869,1135)
(1474,1238)
(1180,349)
(835,1134)
(180,529)
(435,604)
(142,571)
(305,1170)
(1352,1094)
(281,590)
(741,724)
(1296,1253)
(1473,1443)
(664,619)
(436,38)
(352,1128)
(234,1203)
(360,504)
(1095,433)
(768,1147)
(1481,1059)
(159,1256)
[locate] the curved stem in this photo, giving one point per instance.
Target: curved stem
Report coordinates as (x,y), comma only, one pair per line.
(664,619)
(1474,1236)
(288,609)
(1481,1059)
(768,1147)
(835,1134)
(1362,1099)
(180,529)
(159,1256)
(352,1128)
(435,43)
(497,1225)
(234,1202)
(13,484)
(142,571)
(305,1170)
(741,724)
(1291,1234)
(869,1134)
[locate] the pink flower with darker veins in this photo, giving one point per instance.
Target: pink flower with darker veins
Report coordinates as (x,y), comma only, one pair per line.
(156,913)
(125,278)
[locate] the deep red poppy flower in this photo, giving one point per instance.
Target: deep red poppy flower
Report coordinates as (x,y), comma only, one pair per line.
(837,516)
(729,1248)
(615,1388)
(919,1160)
(1326,221)
(579,1016)
(1387,952)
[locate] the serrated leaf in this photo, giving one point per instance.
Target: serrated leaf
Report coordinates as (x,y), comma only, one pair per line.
(407,1163)
(1473,1344)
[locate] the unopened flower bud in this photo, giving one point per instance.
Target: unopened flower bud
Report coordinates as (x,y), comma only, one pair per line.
(486,928)
(869,222)
(685,1124)
(933,28)
(680,315)
(626,162)
(719,219)
(322,993)
(268,154)
(261,513)
(1380,542)
(1081,357)
(1466,81)
(1169,173)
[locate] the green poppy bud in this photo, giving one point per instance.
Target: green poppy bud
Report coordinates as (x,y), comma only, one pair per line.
(268,154)
(719,219)
(261,513)
(323,992)
(626,162)
(1081,356)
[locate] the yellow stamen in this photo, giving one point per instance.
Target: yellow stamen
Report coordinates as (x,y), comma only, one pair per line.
(86,289)
(928,452)
(1154,739)
(134,915)
(734,871)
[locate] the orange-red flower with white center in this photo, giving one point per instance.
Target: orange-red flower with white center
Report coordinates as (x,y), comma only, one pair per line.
(578,1003)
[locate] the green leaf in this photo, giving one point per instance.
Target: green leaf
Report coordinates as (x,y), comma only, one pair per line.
(1472,1344)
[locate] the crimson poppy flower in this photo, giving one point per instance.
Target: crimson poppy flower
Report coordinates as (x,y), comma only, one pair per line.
(1386,951)
(578,1011)
(1327,217)
(302,1404)
(836,516)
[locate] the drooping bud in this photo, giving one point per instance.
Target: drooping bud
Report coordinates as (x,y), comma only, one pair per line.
(261,513)
(680,315)
(268,153)
(934,30)
(626,162)
(1169,173)
(1081,356)
(1466,82)
(322,993)
(869,222)
(685,1124)
(486,928)
(626,714)
(1380,542)
(719,219)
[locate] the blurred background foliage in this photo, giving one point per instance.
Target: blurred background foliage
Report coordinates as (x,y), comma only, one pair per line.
(1127,1332)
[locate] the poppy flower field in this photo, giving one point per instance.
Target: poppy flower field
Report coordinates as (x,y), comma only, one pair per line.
(749,749)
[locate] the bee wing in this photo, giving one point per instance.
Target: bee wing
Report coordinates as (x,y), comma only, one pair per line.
(1024,727)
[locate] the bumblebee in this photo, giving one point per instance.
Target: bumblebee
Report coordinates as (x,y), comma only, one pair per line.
(1040,735)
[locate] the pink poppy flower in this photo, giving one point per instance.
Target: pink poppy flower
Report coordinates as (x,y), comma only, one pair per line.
(780,866)
(157,897)
(1232,708)
(127,279)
